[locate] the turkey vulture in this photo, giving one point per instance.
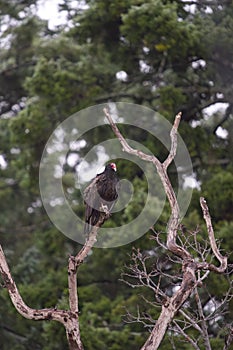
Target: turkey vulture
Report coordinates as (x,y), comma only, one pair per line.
(100,196)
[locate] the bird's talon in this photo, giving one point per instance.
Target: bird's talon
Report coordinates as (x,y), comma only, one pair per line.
(104,208)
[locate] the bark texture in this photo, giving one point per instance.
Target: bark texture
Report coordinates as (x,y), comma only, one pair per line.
(190,266)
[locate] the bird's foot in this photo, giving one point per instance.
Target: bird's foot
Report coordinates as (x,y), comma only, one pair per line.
(104,209)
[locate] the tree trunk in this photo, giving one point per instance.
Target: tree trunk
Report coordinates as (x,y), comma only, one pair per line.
(170,308)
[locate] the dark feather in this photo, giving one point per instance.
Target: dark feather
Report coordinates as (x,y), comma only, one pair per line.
(101,191)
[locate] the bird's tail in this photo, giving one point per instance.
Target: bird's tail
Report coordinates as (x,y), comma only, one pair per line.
(91,221)
(87,229)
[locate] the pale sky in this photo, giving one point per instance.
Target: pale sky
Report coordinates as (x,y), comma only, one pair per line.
(48,9)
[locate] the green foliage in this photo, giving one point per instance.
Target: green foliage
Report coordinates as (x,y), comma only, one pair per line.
(95,338)
(218,190)
(171,99)
(155,25)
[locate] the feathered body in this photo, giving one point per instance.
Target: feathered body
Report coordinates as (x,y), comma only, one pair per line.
(102,192)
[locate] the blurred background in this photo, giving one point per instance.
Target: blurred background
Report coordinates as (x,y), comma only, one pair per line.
(59,57)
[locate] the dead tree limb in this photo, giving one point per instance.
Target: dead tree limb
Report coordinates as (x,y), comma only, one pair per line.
(187,338)
(221,259)
(190,267)
(69,318)
(162,171)
(203,323)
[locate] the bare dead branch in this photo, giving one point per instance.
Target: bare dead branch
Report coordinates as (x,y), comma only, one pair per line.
(75,261)
(88,245)
(229,339)
(219,307)
(72,285)
(126,147)
(190,320)
(142,318)
(203,321)
(156,237)
(186,336)
(69,318)
(161,169)
(189,279)
(221,259)
(66,317)
(173,136)
(178,245)
(21,307)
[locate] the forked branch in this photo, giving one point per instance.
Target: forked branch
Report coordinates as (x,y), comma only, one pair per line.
(69,318)
(189,265)
(162,172)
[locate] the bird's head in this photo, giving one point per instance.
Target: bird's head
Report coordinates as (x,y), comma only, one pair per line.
(113,166)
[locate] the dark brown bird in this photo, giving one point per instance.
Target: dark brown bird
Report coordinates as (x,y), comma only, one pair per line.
(100,196)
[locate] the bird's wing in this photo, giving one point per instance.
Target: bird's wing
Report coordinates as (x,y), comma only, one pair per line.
(101,191)
(93,202)
(90,196)
(114,195)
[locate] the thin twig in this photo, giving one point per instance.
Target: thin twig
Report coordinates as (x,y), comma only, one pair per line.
(186,336)
(203,321)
